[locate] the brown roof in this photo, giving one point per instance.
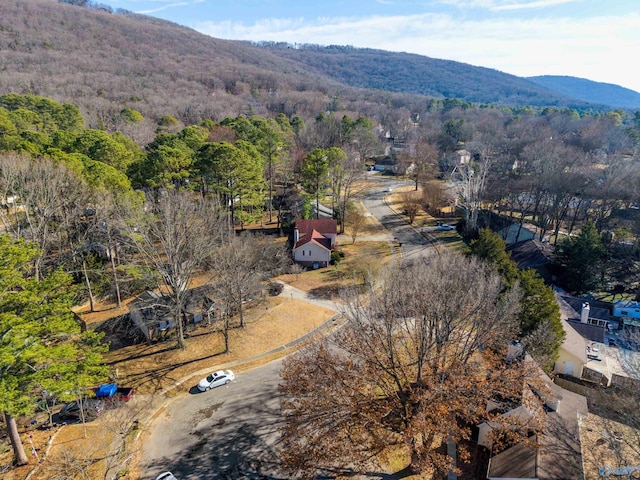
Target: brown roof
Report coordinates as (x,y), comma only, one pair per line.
(519,461)
(558,455)
(528,254)
(325,226)
(314,237)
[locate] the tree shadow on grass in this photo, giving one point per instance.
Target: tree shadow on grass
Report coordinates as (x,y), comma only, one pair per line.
(142,355)
(326,292)
(157,377)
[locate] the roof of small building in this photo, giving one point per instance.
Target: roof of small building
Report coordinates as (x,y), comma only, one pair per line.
(598,310)
(574,343)
(528,254)
(589,331)
(519,461)
(316,238)
(326,226)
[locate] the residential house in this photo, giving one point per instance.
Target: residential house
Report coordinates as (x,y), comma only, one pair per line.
(528,253)
(388,165)
(584,355)
(313,242)
(461,157)
(152,312)
(552,455)
(321,211)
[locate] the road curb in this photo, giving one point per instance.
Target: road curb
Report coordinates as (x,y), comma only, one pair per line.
(245,361)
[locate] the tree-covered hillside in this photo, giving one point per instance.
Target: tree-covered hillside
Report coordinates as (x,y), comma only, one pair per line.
(589,91)
(410,73)
(103,62)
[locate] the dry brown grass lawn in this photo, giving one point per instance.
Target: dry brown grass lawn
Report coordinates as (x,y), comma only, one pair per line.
(328,282)
(606,443)
(271,324)
(396,199)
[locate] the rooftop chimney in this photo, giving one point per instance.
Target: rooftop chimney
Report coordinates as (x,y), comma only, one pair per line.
(584,314)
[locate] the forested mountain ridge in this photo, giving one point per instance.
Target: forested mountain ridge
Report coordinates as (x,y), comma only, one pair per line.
(411,73)
(103,62)
(589,91)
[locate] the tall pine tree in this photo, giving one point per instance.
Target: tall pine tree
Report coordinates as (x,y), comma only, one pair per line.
(39,336)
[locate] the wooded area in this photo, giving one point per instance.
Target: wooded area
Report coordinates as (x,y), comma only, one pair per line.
(141,174)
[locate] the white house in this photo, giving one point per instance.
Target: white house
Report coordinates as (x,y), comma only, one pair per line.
(313,241)
(572,355)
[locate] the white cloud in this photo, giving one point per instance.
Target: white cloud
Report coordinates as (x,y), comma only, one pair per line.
(598,48)
(168,6)
(498,5)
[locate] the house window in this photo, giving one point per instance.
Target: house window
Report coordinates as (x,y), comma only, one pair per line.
(303,252)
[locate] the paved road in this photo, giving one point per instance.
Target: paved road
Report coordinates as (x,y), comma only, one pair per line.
(232,431)
(413,244)
(228,432)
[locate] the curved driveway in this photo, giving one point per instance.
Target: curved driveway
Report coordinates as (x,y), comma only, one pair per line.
(231,432)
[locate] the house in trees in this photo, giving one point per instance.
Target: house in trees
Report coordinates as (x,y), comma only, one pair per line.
(529,253)
(313,242)
(583,354)
(388,164)
(555,454)
(152,313)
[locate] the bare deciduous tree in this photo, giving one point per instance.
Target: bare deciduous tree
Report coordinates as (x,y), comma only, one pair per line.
(356,221)
(239,264)
(414,366)
(176,234)
(42,199)
(121,422)
(411,204)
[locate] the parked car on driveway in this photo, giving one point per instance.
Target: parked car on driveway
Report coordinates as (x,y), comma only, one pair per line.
(215,379)
(71,411)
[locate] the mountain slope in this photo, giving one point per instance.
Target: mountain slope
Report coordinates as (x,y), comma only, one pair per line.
(405,72)
(103,62)
(589,91)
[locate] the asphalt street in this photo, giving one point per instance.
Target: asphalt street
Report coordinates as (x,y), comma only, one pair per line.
(230,432)
(412,243)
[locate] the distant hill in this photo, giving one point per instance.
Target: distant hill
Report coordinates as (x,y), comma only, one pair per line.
(410,73)
(589,91)
(103,61)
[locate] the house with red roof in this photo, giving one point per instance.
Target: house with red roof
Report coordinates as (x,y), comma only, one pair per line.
(313,241)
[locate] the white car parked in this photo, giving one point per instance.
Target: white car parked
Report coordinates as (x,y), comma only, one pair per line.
(221,377)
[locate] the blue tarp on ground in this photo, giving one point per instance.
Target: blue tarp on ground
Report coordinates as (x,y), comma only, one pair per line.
(106,390)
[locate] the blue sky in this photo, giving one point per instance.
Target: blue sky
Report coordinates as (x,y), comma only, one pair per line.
(594,39)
